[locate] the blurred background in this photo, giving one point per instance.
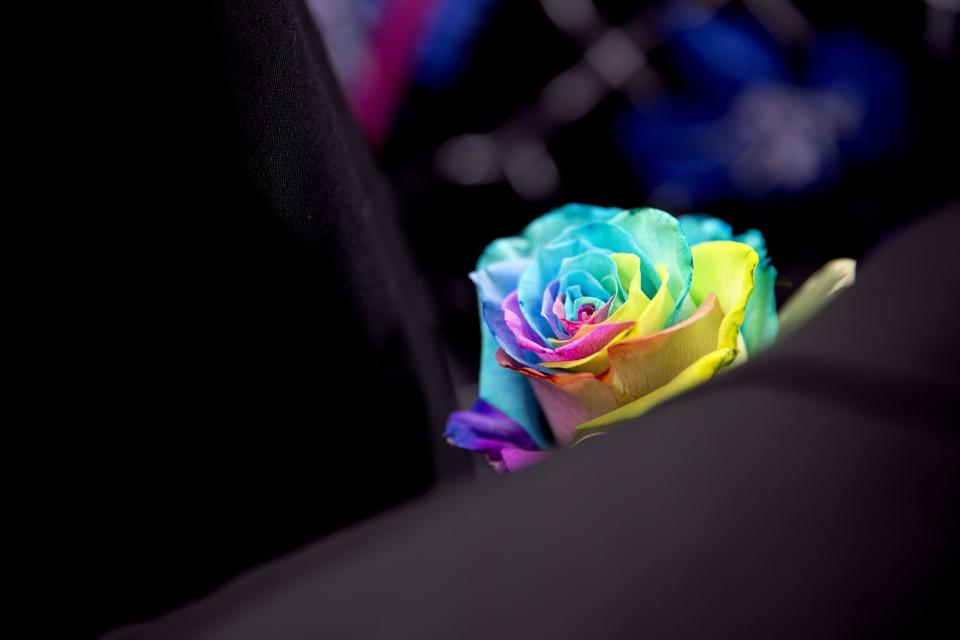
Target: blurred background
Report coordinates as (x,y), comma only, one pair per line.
(826,125)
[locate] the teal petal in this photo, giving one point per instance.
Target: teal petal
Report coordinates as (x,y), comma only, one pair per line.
(760,323)
(661,240)
(580,283)
(600,268)
(509,391)
(698,228)
(549,226)
(754,239)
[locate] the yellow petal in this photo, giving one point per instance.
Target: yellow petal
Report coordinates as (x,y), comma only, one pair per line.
(725,269)
(698,372)
(641,365)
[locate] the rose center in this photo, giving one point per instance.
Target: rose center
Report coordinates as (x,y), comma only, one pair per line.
(585,311)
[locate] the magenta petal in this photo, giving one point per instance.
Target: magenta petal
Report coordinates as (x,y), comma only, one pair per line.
(582,347)
(597,317)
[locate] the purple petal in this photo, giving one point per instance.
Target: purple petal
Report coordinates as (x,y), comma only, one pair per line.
(485,428)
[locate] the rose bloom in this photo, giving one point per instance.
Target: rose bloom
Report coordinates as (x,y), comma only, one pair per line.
(594,315)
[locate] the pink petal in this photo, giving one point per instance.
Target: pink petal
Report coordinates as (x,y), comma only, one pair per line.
(517,459)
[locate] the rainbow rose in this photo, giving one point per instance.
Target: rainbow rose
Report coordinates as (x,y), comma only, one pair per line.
(594,315)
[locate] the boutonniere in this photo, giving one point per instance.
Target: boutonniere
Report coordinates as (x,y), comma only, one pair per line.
(594,315)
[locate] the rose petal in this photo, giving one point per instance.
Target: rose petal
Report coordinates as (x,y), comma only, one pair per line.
(652,318)
(638,367)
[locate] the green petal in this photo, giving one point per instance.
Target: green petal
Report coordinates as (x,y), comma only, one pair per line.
(817,291)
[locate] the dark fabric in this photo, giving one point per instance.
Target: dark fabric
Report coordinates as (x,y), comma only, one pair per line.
(257,365)
(812,492)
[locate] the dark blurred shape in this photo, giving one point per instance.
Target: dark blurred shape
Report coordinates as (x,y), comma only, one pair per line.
(380,47)
(940,28)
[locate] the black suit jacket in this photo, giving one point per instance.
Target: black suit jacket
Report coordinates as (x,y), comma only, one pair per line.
(257,364)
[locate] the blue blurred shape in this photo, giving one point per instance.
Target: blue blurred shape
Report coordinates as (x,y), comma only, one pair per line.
(747,124)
